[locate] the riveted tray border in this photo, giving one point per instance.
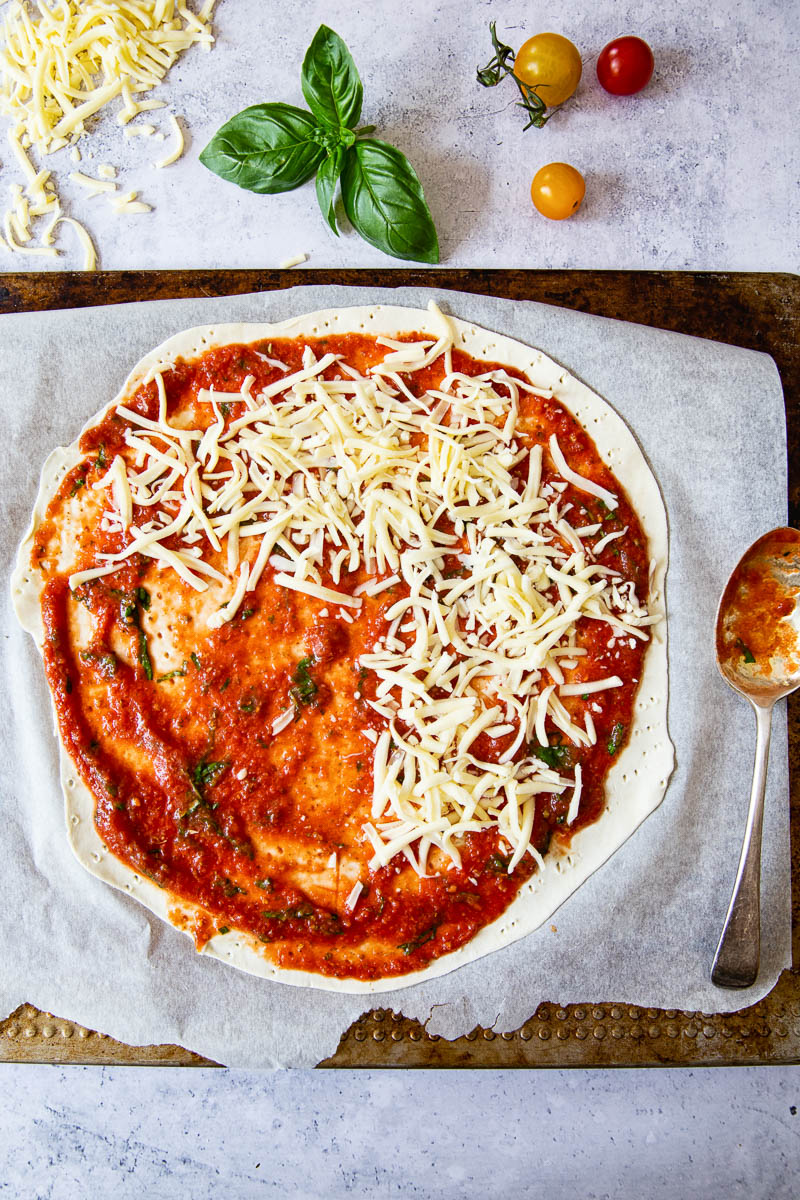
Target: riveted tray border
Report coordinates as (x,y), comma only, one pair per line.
(757,311)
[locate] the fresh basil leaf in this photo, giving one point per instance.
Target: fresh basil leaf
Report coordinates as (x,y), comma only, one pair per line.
(330,81)
(266,148)
(384,202)
(327,176)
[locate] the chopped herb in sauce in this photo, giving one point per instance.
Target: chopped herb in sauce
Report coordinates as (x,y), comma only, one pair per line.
(179,672)
(77,485)
(426,936)
(101,460)
(553,756)
(304,688)
(106,662)
(203,776)
(497,864)
(747,653)
(205,773)
(228,887)
(144,656)
(266,884)
(129,612)
(300,913)
(615,740)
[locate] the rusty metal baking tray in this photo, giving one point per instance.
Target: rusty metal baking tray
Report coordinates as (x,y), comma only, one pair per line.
(757,311)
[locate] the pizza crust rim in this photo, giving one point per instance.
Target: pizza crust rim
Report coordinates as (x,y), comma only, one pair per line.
(631,792)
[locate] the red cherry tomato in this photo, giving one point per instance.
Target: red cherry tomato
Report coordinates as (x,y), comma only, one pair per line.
(625,66)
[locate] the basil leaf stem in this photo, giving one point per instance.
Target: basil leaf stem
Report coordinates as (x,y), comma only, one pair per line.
(331,84)
(384,202)
(267,148)
(327,178)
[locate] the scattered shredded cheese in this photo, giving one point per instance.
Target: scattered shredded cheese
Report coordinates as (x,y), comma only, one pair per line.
(62,62)
(174,154)
(90,259)
(296,261)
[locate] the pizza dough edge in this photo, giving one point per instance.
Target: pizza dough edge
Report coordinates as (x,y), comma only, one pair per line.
(630,794)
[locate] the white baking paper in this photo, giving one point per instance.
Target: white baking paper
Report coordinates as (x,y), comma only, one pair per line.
(641,931)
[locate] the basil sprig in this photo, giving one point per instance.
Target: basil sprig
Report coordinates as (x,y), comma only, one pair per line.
(271,148)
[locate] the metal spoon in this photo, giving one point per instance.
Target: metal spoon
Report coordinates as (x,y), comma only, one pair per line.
(758,654)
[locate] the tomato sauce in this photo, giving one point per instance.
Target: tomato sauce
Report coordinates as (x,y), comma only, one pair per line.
(191,788)
(759,601)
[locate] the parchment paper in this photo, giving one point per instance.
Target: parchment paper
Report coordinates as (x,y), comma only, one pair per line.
(641,931)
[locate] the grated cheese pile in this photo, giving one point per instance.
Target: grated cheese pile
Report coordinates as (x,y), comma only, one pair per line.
(322,477)
(59,66)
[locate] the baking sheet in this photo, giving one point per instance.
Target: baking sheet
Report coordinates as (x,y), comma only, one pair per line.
(642,930)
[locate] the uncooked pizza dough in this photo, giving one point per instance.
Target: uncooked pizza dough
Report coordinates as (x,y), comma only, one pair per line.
(95,484)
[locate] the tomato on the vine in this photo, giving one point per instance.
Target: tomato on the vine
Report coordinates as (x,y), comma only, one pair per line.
(557,191)
(625,66)
(551,64)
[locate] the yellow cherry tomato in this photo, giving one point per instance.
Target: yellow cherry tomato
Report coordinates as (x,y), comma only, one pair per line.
(551,64)
(557,191)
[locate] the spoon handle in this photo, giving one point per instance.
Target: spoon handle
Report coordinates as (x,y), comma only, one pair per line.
(736,960)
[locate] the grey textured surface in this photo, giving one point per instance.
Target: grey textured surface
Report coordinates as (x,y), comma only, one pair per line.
(699,170)
(724,1134)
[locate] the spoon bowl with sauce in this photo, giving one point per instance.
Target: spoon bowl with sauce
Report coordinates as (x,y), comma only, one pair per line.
(758,654)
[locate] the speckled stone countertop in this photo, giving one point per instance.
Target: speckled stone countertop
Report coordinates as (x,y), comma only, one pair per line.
(700,171)
(712,1134)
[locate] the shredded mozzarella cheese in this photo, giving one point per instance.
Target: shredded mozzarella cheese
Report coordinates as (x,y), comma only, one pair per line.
(315,478)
